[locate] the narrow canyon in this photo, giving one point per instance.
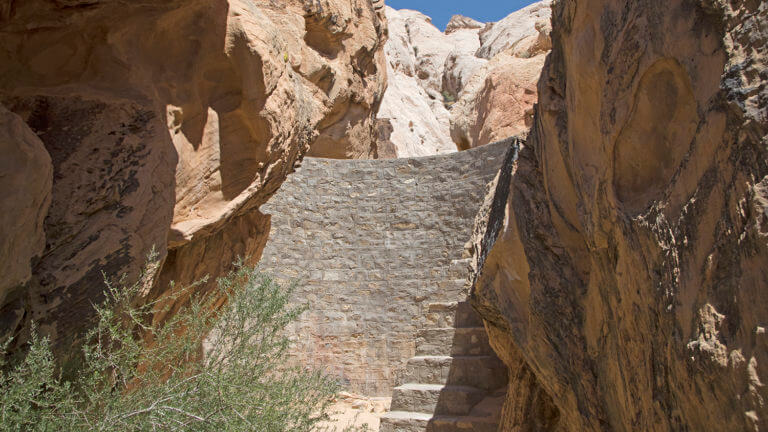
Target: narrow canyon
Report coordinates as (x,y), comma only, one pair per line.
(557,221)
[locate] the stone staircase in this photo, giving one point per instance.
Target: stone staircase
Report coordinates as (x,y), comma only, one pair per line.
(455,382)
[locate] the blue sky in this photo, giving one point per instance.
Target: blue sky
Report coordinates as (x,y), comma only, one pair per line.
(442,10)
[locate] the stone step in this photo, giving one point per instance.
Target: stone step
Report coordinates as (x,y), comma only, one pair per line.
(452,314)
(404,421)
(436,398)
(453,341)
(462,424)
(483,372)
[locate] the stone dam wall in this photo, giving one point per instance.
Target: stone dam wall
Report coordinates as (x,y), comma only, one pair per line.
(374,242)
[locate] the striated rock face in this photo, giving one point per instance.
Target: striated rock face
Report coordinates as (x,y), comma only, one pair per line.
(167,125)
(413,104)
(497,100)
(622,270)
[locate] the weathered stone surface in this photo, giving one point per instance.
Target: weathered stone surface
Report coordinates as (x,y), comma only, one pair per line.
(444,85)
(452,341)
(460,22)
(412,103)
(461,64)
(25,185)
(622,271)
(516,28)
(497,100)
(374,243)
(423,65)
(169,123)
(432,398)
(420,124)
(456,378)
(111,202)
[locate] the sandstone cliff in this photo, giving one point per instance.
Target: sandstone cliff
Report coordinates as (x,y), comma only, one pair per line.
(413,103)
(164,124)
(624,262)
(497,101)
(472,85)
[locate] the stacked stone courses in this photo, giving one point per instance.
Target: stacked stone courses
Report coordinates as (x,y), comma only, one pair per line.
(373,243)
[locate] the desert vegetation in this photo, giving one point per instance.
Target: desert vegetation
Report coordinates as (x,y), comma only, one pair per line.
(201,368)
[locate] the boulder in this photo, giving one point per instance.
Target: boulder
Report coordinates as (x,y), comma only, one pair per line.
(497,100)
(461,63)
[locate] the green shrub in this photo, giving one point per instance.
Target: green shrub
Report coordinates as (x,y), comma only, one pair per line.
(140,375)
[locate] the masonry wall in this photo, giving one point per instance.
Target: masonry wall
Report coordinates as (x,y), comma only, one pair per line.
(374,242)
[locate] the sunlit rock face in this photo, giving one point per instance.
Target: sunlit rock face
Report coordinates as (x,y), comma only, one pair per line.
(497,100)
(471,85)
(165,125)
(622,268)
(416,52)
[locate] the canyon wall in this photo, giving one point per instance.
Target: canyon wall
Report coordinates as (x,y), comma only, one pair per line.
(621,266)
(497,100)
(373,243)
(473,84)
(141,125)
(416,54)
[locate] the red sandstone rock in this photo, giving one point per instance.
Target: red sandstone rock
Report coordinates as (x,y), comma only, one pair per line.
(167,125)
(497,101)
(623,275)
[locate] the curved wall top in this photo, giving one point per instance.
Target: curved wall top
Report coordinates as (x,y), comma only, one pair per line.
(374,242)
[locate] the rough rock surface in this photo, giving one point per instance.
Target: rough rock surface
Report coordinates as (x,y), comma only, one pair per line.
(516,28)
(167,125)
(443,88)
(622,268)
(374,243)
(460,22)
(412,103)
(25,185)
(497,101)
(416,53)
(461,64)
